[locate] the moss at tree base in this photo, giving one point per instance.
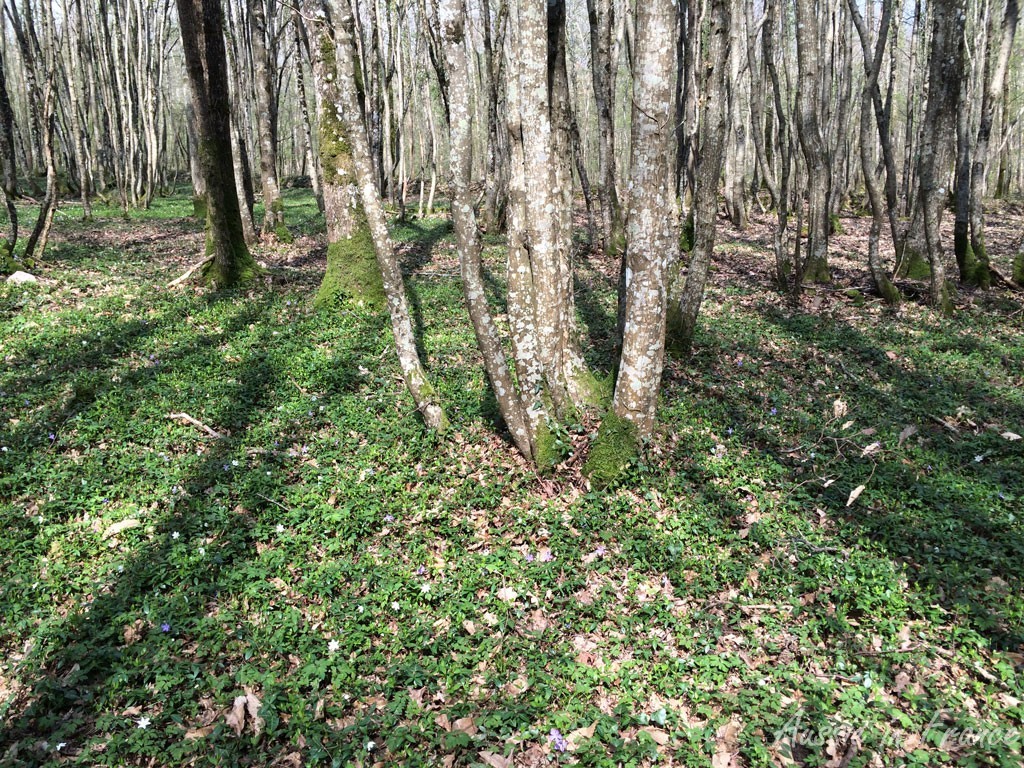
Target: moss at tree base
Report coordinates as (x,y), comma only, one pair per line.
(1018,269)
(816,271)
(915,266)
(352,273)
(613,452)
(241,270)
(199,207)
(284,234)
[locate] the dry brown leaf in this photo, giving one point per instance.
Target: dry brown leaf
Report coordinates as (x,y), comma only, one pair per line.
(854,494)
(507,594)
(252,706)
(465,724)
(469,626)
(1011,436)
(660,737)
(124,525)
(236,715)
(727,745)
(443,722)
(518,686)
(495,760)
(839,408)
(907,433)
(581,734)
(200,733)
(873,448)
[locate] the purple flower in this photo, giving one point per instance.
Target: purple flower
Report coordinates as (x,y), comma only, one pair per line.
(558,740)
(729,431)
(421,570)
(545,556)
(601,551)
(52,437)
(165,627)
(773,411)
(529,557)
(389,518)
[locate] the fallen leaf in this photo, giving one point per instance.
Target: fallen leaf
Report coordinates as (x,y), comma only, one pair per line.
(236,715)
(252,706)
(124,525)
(907,432)
(727,745)
(469,626)
(507,594)
(494,760)
(199,733)
(659,736)
(1011,436)
(839,408)
(581,734)
(854,494)
(871,449)
(518,686)
(466,725)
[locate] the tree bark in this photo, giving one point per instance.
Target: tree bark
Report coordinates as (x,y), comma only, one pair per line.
(651,229)
(507,395)
(423,393)
(819,171)
(938,135)
(266,123)
(202,37)
(710,156)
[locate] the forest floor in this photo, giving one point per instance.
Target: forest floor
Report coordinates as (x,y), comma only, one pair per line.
(228,540)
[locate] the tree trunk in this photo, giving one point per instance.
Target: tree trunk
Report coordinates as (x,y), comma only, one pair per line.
(10,174)
(685,306)
(202,22)
(541,308)
(652,244)
(266,124)
(507,395)
(996,65)
(423,393)
(352,270)
(601,14)
(938,135)
(872,67)
(819,171)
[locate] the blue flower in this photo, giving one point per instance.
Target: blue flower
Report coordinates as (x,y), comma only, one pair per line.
(558,740)
(165,627)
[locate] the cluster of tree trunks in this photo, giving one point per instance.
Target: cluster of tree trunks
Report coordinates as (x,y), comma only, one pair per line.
(660,115)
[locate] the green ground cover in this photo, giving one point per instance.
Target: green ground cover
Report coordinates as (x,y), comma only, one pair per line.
(825,535)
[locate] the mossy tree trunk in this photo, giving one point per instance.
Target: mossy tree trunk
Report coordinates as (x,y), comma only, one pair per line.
(652,240)
(202,36)
(352,271)
(423,393)
(541,304)
(997,62)
(938,135)
(682,314)
(195,166)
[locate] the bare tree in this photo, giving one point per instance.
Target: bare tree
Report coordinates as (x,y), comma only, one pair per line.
(202,22)
(652,242)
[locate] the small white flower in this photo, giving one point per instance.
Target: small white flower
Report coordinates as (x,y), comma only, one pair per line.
(280,528)
(395,606)
(424,588)
(202,550)
(979,458)
(370,746)
(333,646)
(360,609)
(234,462)
(175,535)
(143,722)
(61,746)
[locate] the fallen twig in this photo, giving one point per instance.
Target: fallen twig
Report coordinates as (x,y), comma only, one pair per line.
(188,273)
(197,423)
